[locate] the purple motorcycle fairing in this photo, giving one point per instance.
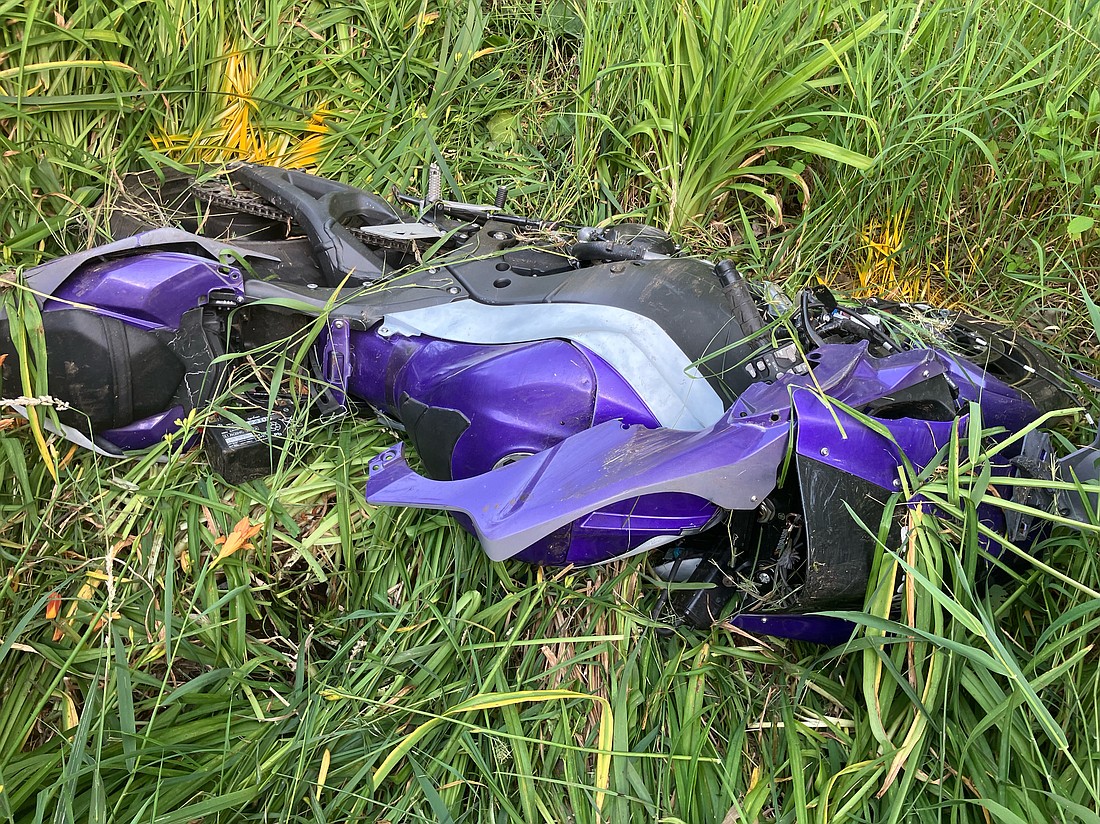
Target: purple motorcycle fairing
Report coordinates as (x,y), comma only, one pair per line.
(537,509)
(517,505)
(150,282)
(733,464)
(146,432)
(150,291)
(831,436)
(516,399)
(817,629)
(624,528)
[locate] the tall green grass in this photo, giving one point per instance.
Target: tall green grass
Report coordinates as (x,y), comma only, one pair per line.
(365,664)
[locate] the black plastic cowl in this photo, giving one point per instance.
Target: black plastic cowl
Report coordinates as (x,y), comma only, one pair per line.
(110,373)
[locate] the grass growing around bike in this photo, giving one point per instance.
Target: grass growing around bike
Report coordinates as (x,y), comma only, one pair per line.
(176,649)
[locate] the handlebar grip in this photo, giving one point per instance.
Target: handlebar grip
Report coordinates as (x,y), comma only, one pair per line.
(741,301)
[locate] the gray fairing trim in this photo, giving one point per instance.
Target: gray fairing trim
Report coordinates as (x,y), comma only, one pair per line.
(634,346)
(70,434)
(1081,466)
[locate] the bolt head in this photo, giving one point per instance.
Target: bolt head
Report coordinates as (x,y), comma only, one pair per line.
(824,452)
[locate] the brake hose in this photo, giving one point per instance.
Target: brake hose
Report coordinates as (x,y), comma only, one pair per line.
(807,325)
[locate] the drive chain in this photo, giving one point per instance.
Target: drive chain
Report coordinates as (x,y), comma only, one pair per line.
(237,198)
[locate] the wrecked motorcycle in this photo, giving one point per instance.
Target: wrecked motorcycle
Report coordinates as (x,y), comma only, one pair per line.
(573,394)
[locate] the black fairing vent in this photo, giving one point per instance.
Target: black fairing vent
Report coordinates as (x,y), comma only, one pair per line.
(434,431)
(930,400)
(109,372)
(843,513)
